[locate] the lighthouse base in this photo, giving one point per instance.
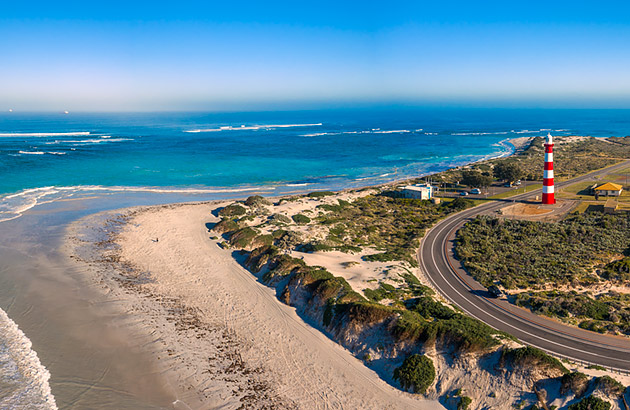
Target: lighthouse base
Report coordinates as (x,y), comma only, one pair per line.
(548,199)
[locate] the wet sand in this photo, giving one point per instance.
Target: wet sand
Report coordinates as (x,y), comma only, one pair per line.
(91,346)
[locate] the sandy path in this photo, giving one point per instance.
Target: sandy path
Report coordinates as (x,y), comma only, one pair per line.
(299,362)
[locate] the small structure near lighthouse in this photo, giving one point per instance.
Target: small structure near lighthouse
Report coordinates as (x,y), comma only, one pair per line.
(548,197)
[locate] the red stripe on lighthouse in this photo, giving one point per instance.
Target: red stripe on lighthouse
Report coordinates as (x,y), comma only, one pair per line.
(548,196)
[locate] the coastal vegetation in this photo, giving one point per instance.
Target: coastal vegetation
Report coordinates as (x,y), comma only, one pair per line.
(572,156)
(392,226)
(579,250)
(301,219)
(582,251)
(590,403)
(574,382)
(570,159)
(377,229)
(607,312)
(531,357)
(405,316)
(464,403)
(416,373)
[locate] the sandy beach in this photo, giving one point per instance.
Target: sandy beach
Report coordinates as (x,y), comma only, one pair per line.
(221,338)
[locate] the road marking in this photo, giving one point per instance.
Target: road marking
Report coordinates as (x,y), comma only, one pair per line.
(451,223)
(505,323)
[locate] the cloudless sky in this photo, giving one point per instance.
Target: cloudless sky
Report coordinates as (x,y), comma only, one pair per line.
(231,55)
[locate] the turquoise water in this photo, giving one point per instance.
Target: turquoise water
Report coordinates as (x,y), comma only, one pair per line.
(62,154)
(132,159)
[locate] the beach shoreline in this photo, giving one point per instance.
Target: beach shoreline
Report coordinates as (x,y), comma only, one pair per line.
(144,338)
(95,209)
(222,337)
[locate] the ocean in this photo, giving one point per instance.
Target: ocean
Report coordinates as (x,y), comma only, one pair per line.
(144,158)
(45,157)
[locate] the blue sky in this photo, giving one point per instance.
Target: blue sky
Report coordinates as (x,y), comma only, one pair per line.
(184,55)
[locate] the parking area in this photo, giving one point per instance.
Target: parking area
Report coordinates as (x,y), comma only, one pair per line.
(495,191)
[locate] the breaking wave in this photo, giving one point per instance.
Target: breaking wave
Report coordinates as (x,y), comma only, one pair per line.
(541,130)
(23,379)
(14,205)
(252,127)
(372,131)
(45,134)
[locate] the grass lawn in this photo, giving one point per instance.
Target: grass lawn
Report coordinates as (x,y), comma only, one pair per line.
(577,191)
(513,192)
(589,206)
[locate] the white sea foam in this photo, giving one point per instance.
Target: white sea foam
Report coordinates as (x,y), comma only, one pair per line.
(526,132)
(372,131)
(391,132)
(14,205)
(319,134)
(481,133)
(56,152)
(507,132)
(95,141)
(252,127)
(92,141)
(32,152)
(23,379)
(44,134)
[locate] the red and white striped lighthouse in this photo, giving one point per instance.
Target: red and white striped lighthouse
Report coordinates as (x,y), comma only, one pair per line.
(548,187)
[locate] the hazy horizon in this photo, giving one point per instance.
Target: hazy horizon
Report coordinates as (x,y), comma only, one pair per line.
(207,57)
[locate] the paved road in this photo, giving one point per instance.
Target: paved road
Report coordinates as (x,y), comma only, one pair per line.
(451,280)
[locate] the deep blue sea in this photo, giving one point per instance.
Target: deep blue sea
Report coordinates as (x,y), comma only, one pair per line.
(48,156)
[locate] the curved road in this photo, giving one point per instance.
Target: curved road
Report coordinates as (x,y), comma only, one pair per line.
(437,259)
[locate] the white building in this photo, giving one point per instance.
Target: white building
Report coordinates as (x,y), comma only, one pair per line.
(421,191)
(609,189)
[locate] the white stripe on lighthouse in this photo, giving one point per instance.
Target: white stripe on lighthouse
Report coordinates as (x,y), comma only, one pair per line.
(548,157)
(548,189)
(548,173)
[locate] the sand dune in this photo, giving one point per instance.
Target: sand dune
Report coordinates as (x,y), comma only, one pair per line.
(280,360)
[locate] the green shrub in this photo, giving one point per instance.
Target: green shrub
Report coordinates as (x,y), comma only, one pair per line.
(348,248)
(279,219)
(609,386)
(531,356)
(590,403)
(320,194)
(618,270)
(464,403)
(233,210)
(243,237)
(416,373)
(576,382)
(301,219)
(384,291)
(462,331)
(263,240)
(278,233)
(428,307)
(334,208)
(564,304)
(256,200)
(226,225)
